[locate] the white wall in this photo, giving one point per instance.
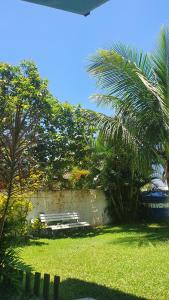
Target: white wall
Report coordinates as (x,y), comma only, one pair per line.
(90,204)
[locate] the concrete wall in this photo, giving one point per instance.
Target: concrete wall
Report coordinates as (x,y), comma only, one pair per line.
(90,204)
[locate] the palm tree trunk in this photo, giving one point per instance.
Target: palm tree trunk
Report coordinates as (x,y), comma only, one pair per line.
(166,175)
(115,205)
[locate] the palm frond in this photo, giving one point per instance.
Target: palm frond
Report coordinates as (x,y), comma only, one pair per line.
(114,129)
(140,59)
(120,78)
(106,100)
(133,96)
(137,87)
(161,63)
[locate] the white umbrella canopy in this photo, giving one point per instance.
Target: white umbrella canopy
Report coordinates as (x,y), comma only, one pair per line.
(82,7)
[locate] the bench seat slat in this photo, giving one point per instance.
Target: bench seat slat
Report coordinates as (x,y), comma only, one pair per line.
(66,226)
(59,218)
(60,214)
(70,216)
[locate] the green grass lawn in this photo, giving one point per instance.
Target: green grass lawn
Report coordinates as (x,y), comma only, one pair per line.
(125,262)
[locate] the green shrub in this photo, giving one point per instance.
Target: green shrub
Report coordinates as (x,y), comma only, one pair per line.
(16,222)
(9,263)
(36,227)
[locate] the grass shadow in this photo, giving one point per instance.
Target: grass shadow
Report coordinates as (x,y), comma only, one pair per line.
(141,233)
(29,242)
(72,289)
(144,234)
(81,233)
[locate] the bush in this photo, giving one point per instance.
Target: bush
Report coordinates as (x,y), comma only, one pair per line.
(36,227)
(16,221)
(9,263)
(15,226)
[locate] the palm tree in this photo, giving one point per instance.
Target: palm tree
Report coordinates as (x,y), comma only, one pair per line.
(137,89)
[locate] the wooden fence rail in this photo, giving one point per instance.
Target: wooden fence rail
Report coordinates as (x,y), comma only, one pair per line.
(34,284)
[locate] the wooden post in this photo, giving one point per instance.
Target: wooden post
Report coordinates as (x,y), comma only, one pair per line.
(56,288)
(46,285)
(28,283)
(36,288)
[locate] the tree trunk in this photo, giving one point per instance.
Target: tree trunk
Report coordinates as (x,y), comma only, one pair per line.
(9,194)
(114,205)
(166,172)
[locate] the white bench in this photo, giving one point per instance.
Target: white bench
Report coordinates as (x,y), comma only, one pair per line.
(65,219)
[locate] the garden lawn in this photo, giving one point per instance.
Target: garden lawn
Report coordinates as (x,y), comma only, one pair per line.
(125,262)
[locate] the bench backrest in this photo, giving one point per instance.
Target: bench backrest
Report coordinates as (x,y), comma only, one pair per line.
(45,218)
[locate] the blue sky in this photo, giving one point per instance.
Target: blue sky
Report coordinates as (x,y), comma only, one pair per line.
(61,43)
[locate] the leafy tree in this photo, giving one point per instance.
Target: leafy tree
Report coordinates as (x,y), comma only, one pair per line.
(64,142)
(137,89)
(23,96)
